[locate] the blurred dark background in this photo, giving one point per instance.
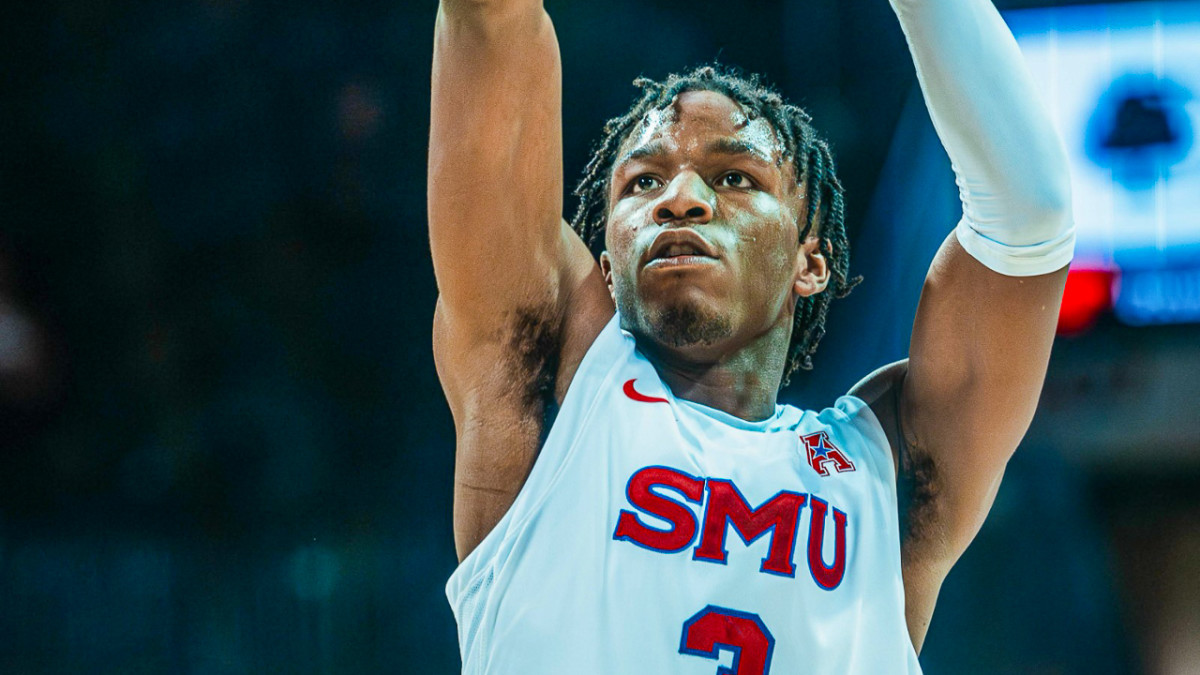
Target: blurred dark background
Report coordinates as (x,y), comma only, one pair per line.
(223,446)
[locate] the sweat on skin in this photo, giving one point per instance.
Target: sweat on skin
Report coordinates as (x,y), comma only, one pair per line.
(718,327)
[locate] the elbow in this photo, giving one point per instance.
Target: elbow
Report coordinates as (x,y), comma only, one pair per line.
(1040,188)
(1036,206)
(1026,184)
(1055,200)
(1053,211)
(1048,209)
(1051,199)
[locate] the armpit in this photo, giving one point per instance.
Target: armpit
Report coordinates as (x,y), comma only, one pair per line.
(535,343)
(918,492)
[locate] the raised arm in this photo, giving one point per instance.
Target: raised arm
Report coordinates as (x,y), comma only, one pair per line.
(495,158)
(985,323)
(506,263)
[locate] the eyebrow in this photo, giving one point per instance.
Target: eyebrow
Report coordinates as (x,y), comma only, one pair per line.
(736,146)
(725,145)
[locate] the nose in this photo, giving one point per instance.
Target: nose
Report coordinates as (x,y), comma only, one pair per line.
(687,199)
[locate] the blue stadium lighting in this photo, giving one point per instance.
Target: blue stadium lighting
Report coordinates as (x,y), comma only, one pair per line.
(1159,296)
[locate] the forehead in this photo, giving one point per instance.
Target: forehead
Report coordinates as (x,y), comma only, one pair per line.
(694,118)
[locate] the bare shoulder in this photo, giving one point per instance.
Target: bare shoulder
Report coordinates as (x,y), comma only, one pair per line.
(881,392)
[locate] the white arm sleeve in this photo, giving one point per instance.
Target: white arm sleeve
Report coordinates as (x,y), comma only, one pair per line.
(1008,160)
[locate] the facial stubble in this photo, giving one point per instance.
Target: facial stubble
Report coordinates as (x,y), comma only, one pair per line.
(682,322)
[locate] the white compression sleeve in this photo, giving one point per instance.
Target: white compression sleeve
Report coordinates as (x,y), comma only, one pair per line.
(1008,160)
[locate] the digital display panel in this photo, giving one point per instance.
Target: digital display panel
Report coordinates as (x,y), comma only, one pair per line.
(1122,82)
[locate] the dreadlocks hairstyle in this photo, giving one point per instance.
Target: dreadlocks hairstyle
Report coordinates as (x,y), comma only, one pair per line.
(814,170)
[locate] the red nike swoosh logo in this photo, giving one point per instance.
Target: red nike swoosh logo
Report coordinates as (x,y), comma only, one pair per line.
(633,394)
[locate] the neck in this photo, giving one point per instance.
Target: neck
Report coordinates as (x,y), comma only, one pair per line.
(743,382)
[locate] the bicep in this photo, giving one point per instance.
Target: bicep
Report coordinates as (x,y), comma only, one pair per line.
(980,346)
(977,359)
(495,159)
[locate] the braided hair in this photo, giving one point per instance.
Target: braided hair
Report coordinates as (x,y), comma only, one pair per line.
(814,171)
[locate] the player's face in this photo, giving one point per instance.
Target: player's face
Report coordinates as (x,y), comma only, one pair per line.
(702,242)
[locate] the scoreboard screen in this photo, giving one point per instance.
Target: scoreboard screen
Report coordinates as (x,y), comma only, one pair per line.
(1122,83)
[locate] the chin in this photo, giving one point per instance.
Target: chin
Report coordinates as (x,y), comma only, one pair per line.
(675,319)
(686,324)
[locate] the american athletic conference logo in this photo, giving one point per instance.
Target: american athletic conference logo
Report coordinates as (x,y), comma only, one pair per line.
(821,451)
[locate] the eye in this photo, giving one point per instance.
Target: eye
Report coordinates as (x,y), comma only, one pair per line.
(735,179)
(643,183)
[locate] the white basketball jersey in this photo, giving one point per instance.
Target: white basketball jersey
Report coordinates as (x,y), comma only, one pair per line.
(656,535)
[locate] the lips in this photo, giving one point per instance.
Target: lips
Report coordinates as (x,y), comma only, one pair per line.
(680,244)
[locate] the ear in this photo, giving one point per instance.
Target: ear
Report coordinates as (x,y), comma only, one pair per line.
(606,270)
(812,269)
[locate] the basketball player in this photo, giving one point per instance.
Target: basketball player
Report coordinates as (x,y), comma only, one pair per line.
(673,518)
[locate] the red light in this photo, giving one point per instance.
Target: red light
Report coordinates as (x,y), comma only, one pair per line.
(1087,294)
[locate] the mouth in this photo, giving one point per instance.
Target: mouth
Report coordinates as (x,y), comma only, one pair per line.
(675,261)
(679,247)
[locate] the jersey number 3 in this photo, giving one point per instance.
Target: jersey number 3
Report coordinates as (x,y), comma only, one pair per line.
(715,628)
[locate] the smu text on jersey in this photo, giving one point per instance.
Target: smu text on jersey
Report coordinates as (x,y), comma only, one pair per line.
(650,492)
